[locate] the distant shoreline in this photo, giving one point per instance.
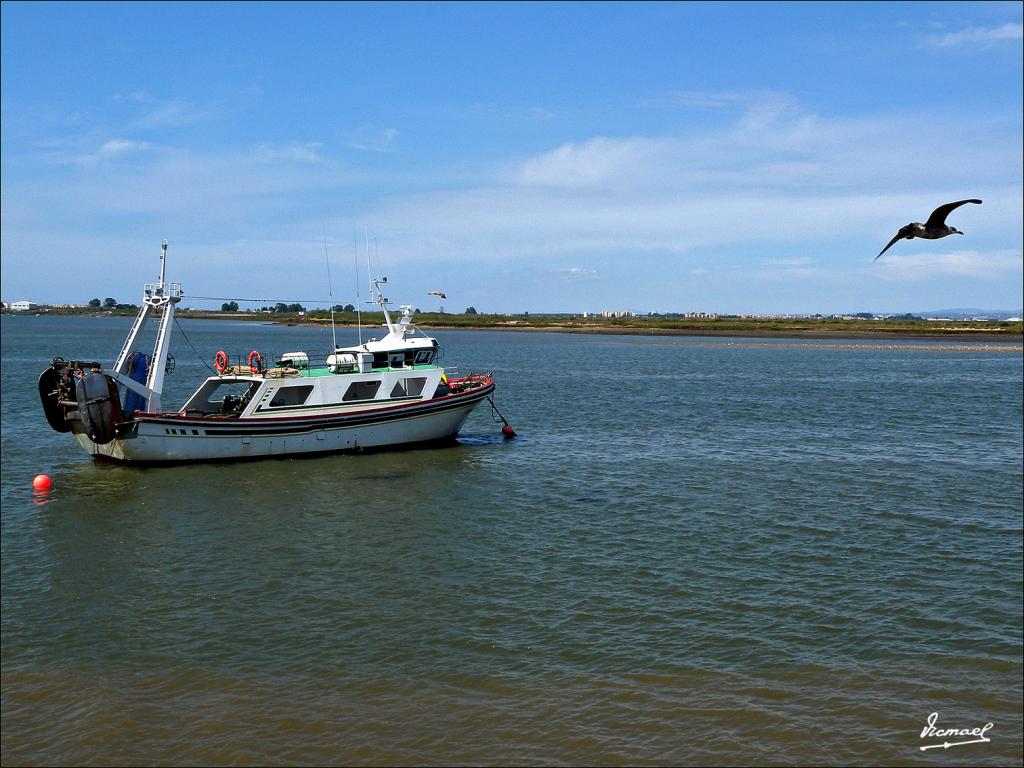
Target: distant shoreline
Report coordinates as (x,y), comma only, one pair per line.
(958,336)
(980,335)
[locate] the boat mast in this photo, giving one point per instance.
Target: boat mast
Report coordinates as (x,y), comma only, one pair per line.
(330,288)
(382,301)
(376,294)
(166,297)
(359,301)
(161,296)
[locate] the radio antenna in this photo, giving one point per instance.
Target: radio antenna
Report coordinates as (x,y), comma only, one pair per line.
(330,290)
(359,311)
(376,253)
(369,270)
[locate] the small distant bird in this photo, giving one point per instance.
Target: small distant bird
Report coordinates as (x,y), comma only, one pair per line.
(932,229)
(438,294)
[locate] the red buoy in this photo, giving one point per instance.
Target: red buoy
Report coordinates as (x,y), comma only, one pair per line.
(507,431)
(42,483)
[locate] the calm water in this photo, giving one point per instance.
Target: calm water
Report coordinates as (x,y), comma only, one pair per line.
(697,552)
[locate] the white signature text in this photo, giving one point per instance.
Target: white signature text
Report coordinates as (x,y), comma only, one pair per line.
(931,732)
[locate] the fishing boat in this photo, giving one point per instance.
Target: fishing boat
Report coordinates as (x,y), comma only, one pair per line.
(382,393)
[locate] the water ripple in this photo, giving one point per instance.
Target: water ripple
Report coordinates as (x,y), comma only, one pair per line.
(724,555)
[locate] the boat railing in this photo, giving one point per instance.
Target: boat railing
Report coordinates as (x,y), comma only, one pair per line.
(170,290)
(259,362)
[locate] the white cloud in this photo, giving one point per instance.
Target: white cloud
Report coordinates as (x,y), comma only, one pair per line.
(978,36)
(721,101)
(798,262)
(135,97)
(152,112)
(295,151)
(587,164)
(372,139)
(775,144)
(779,196)
(978,265)
(122,146)
(252,190)
(109,151)
(780,179)
(576,274)
(504,112)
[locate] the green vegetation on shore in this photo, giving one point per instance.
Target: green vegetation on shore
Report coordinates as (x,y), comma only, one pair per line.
(654,324)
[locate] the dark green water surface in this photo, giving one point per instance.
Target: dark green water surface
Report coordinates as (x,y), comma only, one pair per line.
(697,551)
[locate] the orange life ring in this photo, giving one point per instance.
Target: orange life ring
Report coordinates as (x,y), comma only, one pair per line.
(220,361)
(256,367)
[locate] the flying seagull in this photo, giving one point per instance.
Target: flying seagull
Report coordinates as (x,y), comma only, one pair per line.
(932,229)
(437,293)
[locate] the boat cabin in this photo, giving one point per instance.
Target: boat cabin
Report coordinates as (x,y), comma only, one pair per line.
(398,368)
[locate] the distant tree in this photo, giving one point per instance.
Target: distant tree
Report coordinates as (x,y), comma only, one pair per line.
(350,308)
(471,310)
(229,306)
(95,303)
(295,308)
(280,307)
(109,303)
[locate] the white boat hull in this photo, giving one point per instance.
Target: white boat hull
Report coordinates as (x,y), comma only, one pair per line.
(172,438)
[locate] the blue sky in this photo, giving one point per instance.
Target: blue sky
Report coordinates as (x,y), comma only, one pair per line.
(519,157)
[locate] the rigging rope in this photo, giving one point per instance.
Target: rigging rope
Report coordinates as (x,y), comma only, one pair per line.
(238,387)
(193,346)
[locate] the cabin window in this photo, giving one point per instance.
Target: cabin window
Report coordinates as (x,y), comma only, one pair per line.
(424,356)
(361,390)
(290,396)
(397,360)
(409,388)
(220,396)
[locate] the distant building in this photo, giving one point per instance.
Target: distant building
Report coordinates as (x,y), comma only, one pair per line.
(23,306)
